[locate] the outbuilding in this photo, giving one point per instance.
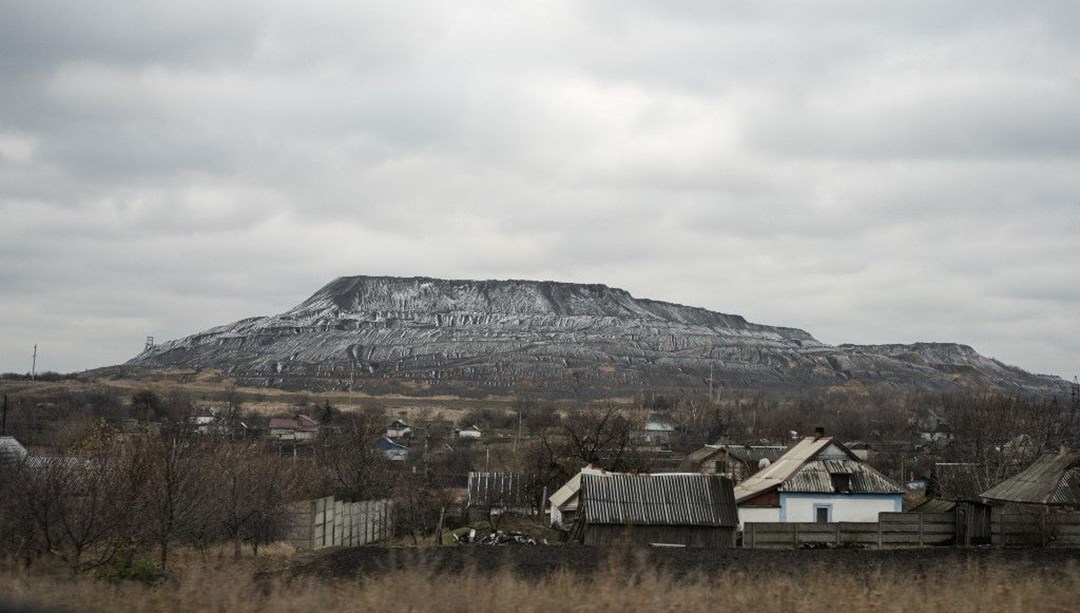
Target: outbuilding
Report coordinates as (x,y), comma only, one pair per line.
(673,509)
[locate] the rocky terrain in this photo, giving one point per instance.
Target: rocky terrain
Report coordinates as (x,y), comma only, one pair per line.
(474,338)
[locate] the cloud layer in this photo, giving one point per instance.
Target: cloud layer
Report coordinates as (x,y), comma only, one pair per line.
(867,171)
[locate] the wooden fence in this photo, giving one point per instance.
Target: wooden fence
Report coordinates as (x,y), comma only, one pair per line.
(1035,529)
(892,530)
(898,530)
(325,522)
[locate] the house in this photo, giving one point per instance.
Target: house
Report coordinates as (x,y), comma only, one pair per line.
(674,509)
(1052,481)
(472,432)
(817,480)
(737,462)
(398,429)
(658,430)
(392,451)
(860,449)
(299,428)
(204,421)
(493,493)
(564,502)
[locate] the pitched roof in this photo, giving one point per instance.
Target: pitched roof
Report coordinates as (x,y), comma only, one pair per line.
(572,487)
(750,454)
(816,477)
(664,499)
(301,423)
(500,489)
(1054,479)
(792,463)
(385,444)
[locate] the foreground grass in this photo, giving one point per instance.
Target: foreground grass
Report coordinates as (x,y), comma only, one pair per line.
(239,588)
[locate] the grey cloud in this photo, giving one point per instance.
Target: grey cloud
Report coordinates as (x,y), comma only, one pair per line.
(870,172)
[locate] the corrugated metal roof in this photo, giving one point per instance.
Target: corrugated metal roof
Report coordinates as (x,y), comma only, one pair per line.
(816,477)
(505,489)
(658,500)
(1054,479)
(786,466)
(11,450)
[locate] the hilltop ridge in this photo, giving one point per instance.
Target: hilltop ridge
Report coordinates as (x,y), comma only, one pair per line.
(548,338)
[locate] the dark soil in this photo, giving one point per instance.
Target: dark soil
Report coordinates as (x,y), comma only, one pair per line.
(539,561)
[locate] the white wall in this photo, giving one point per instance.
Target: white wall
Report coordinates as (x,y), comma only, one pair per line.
(758,514)
(800,507)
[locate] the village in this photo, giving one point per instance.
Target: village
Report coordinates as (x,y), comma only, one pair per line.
(599,475)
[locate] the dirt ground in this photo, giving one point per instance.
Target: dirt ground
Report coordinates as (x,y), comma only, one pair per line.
(539,560)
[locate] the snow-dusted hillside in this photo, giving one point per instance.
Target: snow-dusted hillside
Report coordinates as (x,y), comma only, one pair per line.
(422,335)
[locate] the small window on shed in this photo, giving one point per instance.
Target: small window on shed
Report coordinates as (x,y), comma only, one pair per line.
(841,482)
(721,467)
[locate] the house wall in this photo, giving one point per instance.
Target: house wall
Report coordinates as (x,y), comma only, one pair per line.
(563,518)
(843,507)
(758,514)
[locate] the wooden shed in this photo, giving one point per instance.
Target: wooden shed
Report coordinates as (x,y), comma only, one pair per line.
(688,510)
(972,518)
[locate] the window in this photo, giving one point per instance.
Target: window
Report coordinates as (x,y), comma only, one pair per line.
(841,482)
(721,467)
(822,513)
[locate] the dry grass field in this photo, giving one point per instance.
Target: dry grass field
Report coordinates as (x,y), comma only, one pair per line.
(982,583)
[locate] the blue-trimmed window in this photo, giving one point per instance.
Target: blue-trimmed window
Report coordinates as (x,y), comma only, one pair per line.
(822,513)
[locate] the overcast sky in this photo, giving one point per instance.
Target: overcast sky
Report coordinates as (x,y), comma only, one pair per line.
(867,171)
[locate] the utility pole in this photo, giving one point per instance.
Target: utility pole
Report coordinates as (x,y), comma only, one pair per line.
(3,424)
(33,365)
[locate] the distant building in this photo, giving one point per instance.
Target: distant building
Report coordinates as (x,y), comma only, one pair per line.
(299,428)
(736,462)
(472,432)
(398,429)
(493,493)
(392,451)
(658,431)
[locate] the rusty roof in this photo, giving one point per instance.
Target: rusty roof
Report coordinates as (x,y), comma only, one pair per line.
(816,477)
(1054,479)
(658,500)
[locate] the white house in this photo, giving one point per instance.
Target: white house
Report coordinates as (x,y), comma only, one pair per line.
(392,450)
(398,429)
(658,430)
(817,480)
(299,428)
(470,432)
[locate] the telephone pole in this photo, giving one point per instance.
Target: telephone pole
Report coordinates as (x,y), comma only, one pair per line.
(33,365)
